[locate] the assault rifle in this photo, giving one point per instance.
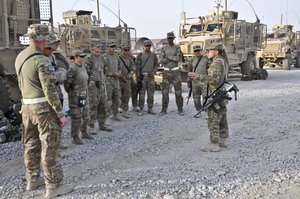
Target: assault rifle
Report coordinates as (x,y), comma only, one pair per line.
(190,91)
(214,100)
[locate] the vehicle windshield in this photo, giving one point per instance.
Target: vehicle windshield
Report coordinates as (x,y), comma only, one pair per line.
(196,28)
(212,27)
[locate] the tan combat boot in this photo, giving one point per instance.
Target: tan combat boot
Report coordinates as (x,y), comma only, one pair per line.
(150,111)
(116,117)
(77,140)
(141,112)
(125,114)
(63,146)
(86,135)
(222,143)
(91,130)
(211,148)
(61,190)
(103,127)
(34,185)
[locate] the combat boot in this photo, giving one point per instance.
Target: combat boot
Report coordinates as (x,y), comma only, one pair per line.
(150,111)
(63,146)
(135,109)
(125,114)
(61,190)
(141,112)
(222,143)
(91,130)
(86,135)
(181,113)
(34,185)
(77,140)
(211,148)
(116,117)
(104,127)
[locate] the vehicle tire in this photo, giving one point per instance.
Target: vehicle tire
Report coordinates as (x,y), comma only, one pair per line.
(297,64)
(286,64)
(248,65)
(5,96)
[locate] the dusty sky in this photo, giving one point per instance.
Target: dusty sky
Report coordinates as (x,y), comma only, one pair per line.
(154,18)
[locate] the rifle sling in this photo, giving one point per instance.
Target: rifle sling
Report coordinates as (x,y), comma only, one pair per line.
(145,63)
(197,63)
(125,64)
(32,55)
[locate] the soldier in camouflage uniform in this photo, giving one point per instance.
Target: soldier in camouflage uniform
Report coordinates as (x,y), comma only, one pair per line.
(77,87)
(217,120)
(60,73)
(171,55)
(198,64)
(42,115)
(94,65)
(147,64)
(128,71)
(113,63)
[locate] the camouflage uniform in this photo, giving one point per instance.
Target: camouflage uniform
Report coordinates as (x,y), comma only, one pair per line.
(113,64)
(41,111)
(217,121)
(127,70)
(198,87)
(147,64)
(171,55)
(77,87)
(97,89)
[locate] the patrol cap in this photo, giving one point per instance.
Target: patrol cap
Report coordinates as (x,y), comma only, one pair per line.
(111,44)
(170,35)
(38,32)
(215,46)
(125,46)
(196,48)
(96,42)
(147,43)
(78,52)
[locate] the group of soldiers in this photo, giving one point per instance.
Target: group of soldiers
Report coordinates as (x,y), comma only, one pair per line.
(97,86)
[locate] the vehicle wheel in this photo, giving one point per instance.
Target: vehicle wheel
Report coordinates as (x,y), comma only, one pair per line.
(297,64)
(5,96)
(286,65)
(248,65)
(259,63)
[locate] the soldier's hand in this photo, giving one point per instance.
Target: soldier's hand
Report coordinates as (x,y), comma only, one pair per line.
(63,121)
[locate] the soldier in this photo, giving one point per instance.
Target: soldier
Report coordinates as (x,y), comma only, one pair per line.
(60,73)
(97,89)
(42,115)
(128,71)
(171,55)
(147,64)
(198,64)
(77,87)
(216,75)
(113,63)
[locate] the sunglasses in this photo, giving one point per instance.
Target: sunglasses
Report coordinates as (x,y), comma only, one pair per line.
(126,50)
(197,51)
(148,45)
(111,46)
(48,48)
(82,56)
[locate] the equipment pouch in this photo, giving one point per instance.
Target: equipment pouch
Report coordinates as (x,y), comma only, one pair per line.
(97,83)
(81,100)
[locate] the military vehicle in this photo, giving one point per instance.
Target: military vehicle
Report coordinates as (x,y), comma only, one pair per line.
(15,17)
(241,39)
(282,48)
(80,27)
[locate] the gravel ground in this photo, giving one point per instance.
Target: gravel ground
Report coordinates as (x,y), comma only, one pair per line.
(159,157)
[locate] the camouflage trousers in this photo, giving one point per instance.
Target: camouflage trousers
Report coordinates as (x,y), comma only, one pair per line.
(125,89)
(113,95)
(171,77)
(149,87)
(217,124)
(198,89)
(80,115)
(133,94)
(97,102)
(41,136)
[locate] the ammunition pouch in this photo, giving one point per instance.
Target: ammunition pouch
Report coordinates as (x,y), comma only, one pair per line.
(98,84)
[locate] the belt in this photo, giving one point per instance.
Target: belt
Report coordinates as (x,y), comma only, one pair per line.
(34,100)
(171,69)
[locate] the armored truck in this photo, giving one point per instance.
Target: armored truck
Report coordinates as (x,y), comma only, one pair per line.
(240,39)
(282,48)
